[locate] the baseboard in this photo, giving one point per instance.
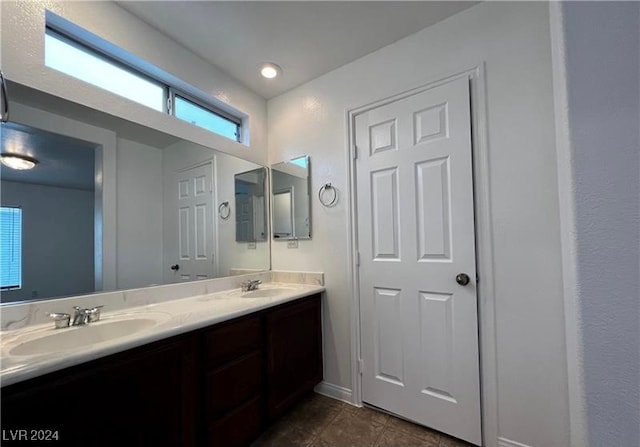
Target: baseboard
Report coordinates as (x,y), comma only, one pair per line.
(335,392)
(503,442)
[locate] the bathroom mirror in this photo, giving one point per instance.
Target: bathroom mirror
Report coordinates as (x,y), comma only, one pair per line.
(290,185)
(112,205)
(251,205)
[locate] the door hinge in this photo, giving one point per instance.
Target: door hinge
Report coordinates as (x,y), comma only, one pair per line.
(355,152)
(357,259)
(360,366)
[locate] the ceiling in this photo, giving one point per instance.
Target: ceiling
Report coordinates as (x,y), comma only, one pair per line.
(62,161)
(306,38)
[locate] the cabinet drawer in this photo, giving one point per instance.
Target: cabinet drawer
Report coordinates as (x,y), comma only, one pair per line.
(232,340)
(239,428)
(234,384)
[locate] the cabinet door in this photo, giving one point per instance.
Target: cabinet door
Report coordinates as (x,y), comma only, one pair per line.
(294,353)
(233,382)
(239,427)
(139,398)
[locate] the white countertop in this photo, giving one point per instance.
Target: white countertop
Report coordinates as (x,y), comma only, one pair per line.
(174,318)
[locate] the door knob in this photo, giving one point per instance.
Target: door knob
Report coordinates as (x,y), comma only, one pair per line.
(462,279)
(175,267)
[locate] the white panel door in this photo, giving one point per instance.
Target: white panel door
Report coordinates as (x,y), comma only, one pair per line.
(415,235)
(193,208)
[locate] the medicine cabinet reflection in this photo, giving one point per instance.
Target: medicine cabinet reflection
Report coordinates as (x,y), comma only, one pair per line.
(290,185)
(251,206)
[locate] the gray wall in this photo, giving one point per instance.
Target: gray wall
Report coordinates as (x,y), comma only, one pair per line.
(140,207)
(57,240)
(603,73)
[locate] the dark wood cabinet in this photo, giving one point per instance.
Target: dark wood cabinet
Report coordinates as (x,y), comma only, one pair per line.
(217,386)
(234,382)
(294,354)
(232,339)
(145,396)
(239,427)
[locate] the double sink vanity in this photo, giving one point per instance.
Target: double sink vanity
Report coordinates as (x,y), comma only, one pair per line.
(213,368)
(123,321)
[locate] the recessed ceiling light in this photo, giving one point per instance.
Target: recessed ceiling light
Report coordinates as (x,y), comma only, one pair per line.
(18,161)
(270,70)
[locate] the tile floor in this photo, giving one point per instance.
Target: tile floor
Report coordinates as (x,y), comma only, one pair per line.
(319,421)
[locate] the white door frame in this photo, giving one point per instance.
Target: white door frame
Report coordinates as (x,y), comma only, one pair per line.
(484,244)
(573,331)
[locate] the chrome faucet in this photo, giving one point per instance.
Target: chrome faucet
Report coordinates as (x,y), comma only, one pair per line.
(61,320)
(85,316)
(250,285)
(81,317)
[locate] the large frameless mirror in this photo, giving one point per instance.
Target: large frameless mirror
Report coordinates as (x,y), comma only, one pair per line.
(290,185)
(110,204)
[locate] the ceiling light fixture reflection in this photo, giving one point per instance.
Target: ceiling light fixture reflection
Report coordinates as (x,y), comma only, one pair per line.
(270,70)
(18,161)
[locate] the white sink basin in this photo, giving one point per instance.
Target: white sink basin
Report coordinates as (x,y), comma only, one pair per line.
(77,337)
(265,293)
(262,293)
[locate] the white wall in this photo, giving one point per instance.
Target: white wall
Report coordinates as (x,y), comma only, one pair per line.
(22,61)
(513,39)
(603,85)
(140,205)
(57,240)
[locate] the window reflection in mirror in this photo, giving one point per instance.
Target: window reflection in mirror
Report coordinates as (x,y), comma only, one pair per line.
(141,206)
(251,206)
(290,194)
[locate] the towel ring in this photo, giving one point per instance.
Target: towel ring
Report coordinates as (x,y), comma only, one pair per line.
(327,187)
(224,210)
